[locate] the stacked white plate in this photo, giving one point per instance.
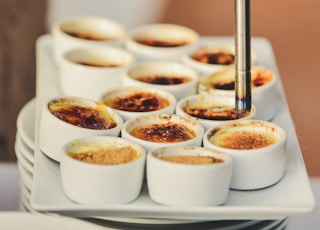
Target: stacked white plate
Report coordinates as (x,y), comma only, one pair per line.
(24,149)
(37,221)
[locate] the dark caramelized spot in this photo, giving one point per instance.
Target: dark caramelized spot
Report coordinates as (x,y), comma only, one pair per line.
(214,113)
(165,133)
(138,102)
(224,85)
(163,79)
(87,36)
(261,78)
(97,64)
(219,58)
(159,43)
(83,117)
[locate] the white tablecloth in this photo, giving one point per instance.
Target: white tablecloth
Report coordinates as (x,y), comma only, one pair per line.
(10,198)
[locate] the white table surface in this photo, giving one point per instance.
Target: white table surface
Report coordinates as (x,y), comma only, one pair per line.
(10,198)
(9,187)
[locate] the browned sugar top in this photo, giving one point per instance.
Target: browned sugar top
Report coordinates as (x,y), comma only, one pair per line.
(107,156)
(98,64)
(166,133)
(258,78)
(261,78)
(138,102)
(244,140)
(192,159)
(162,79)
(84,117)
(161,43)
(212,114)
(219,58)
(87,36)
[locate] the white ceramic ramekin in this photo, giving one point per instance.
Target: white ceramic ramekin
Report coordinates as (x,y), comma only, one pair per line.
(186,79)
(55,132)
(89,72)
(85,31)
(185,184)
(92,183)
(263,88)
(210,58)
(210,109)
(172,129)
(181,39)
(255,167)
(144,99)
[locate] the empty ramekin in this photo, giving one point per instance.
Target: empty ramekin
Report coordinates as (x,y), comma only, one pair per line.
(258,149)
(135,101)
(161,41)
(159,130)
(85,31)
(188,176)
(174,77)
(211,109)
(102,170)
(88,72)
(263,88)
(66,118)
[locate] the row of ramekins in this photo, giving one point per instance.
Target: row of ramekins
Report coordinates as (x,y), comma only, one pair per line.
(251,168)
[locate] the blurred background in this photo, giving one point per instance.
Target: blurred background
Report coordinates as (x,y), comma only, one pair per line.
(292,27)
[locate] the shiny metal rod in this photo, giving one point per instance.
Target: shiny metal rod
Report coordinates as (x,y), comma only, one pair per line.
(243,56)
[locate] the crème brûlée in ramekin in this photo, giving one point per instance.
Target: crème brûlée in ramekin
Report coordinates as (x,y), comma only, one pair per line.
(66,118)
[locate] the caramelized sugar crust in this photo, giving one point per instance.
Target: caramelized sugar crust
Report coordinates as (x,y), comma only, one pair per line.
(165,133)
(81,116)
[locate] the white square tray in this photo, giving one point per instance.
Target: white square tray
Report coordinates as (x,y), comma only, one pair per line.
(291,196)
